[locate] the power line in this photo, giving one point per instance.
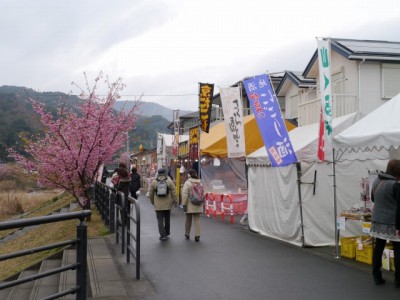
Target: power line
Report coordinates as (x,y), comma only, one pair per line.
(147,95)
(144,95)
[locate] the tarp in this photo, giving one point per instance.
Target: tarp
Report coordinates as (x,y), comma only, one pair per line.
(373,137)
(273,194)
(214,143)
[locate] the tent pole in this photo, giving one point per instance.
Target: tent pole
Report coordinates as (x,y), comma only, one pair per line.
(335,204)
(298,167)
(198,138)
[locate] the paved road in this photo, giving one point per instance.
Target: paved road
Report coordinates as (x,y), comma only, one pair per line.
(230,262)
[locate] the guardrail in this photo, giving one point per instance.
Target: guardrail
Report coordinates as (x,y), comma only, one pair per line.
(81,252)
(121,215)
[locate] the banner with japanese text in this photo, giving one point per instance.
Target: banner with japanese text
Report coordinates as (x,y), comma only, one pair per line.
(321,133)
(269,119)
(194,143)
(175,141)
(205,97)
(324,64)
(233,118)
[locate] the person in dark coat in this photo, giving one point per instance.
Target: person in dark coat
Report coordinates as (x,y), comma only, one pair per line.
(135,182)
(385,224)
(104,175)
(124,182)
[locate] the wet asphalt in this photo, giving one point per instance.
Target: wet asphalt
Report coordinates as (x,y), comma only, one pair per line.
(232,262)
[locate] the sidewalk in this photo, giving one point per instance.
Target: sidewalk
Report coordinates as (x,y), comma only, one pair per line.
(231,262)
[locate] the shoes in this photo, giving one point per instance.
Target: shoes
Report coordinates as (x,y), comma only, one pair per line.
(187,236)
(379,281)
(163,238)
(197,239)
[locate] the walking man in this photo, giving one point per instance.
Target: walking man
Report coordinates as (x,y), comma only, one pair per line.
(162,193)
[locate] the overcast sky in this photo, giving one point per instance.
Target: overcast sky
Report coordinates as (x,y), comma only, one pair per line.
(167,47)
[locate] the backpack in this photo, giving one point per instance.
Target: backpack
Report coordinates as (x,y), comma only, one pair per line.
(196,195)
(162,188)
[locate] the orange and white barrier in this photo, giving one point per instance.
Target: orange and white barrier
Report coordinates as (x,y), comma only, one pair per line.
(225,204)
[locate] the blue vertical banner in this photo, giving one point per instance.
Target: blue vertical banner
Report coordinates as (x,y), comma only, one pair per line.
(269,119)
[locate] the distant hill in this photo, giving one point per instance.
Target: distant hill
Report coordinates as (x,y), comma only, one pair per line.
(17,118)
(150,109)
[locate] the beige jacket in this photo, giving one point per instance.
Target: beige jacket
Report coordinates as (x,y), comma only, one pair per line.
(163,203)
(190,208)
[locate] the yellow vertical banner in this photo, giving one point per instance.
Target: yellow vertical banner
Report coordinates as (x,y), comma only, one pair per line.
(205,97)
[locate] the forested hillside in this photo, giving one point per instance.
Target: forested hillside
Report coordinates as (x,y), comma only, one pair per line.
(17,119)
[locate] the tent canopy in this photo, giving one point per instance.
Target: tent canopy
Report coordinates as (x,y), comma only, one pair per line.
(379,129)
(304,140)
(273,193)
(214,143)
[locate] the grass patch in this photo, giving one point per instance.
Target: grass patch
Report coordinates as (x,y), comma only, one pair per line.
(45,234)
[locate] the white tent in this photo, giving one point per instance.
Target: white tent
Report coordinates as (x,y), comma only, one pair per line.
(368,144)
(376,136)
(273,205)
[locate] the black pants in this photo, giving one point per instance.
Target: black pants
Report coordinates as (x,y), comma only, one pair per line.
(163,220)
(377,258)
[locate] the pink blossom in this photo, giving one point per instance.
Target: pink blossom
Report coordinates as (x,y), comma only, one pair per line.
(76,144)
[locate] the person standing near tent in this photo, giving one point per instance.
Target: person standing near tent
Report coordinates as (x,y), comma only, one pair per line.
(162,194)
(386,219)
(193,212)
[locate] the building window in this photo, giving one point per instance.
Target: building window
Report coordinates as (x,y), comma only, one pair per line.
(390,80)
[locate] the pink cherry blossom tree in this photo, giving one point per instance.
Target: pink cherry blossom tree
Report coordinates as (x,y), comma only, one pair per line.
(77,142)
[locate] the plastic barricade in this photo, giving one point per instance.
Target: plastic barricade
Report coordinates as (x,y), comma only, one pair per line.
(225,204)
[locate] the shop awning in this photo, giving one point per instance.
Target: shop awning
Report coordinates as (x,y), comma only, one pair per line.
(214,142)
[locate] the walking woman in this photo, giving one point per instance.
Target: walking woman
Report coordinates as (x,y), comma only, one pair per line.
(193,212)
(386,219)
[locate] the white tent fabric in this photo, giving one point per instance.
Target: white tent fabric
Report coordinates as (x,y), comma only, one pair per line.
(376,136)
(273,205)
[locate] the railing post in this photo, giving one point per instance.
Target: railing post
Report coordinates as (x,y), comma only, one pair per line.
(128,230)
(81,259)
(111,216)
(123,221)
(138,225)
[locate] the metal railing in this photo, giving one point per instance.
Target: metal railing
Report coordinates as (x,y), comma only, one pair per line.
(104,199)
(342,104)
(122,214)
(81,252)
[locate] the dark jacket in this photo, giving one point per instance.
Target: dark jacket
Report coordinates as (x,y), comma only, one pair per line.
(135,183)
(123,186)
(385,195)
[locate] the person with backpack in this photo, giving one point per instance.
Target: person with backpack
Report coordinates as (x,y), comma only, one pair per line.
(162,194)
(135,183)
(192,201)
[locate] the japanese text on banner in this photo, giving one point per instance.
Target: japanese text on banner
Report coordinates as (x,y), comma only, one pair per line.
(233,117)
(324,63)
(205,98)
(269,119)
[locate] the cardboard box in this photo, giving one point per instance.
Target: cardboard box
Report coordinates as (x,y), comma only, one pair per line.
(348,247)
(364,253)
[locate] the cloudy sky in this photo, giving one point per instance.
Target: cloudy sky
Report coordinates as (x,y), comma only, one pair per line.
(164,48)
